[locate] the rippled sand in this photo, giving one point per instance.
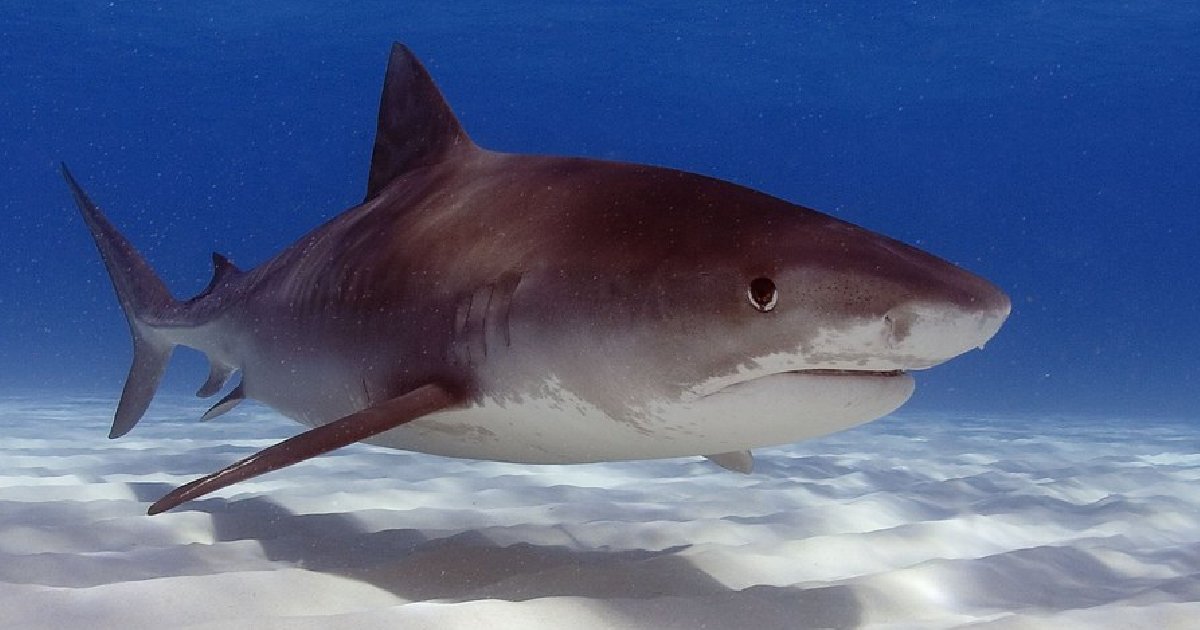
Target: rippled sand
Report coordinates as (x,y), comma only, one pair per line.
(916,521)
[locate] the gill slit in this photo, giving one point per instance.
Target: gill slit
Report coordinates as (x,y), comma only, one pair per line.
(483,327)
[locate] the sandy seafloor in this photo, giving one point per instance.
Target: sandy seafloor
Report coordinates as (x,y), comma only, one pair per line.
(915,521)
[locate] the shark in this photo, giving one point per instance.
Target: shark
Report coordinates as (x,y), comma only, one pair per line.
(548,310)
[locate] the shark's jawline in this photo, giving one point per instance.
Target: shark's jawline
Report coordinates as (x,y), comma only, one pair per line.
(848,373)
(548,310)
(836,373)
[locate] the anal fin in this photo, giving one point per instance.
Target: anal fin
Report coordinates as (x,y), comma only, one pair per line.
(737,461)
(218,375)
(341,432)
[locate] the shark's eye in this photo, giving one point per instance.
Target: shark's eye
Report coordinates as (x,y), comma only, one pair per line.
(763,294)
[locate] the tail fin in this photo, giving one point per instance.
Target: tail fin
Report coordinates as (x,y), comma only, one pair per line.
(142,295)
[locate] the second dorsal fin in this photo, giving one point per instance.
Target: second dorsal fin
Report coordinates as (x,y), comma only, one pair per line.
(416,127)
(224,272)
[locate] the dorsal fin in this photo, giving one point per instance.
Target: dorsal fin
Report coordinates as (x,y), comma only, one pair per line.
(224,271)
(416,127)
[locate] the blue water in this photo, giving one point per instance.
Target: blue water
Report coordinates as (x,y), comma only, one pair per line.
(1053,147)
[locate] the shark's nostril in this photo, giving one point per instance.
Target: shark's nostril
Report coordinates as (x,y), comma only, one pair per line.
(899,325)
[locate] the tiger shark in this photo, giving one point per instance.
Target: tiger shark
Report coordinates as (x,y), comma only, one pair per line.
(535,309)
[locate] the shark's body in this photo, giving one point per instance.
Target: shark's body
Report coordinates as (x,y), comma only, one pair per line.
(553,310)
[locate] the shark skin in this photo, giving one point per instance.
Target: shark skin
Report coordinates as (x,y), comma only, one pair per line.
(541,309)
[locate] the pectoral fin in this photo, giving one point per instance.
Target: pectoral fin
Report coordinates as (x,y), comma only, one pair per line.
(737,461)
(352,428)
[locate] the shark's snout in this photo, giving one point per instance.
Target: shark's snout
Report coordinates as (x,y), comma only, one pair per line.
(939,310)
(886,306)
(924,334)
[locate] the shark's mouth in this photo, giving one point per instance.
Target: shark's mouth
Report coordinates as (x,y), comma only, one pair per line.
(725,386)
(848,372)
(790,405)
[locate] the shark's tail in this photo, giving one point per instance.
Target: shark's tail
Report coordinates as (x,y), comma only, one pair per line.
(144,298)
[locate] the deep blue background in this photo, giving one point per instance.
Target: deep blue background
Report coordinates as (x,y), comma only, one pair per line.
(1052,147)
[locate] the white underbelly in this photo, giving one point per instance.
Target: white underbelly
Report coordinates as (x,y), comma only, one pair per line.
(560,428)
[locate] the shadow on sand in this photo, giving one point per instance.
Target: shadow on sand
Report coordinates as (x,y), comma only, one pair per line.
(642,587)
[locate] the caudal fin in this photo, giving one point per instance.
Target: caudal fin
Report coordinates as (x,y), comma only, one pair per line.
(144,298)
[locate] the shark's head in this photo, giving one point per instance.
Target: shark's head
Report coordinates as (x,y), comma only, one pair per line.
(681,301)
